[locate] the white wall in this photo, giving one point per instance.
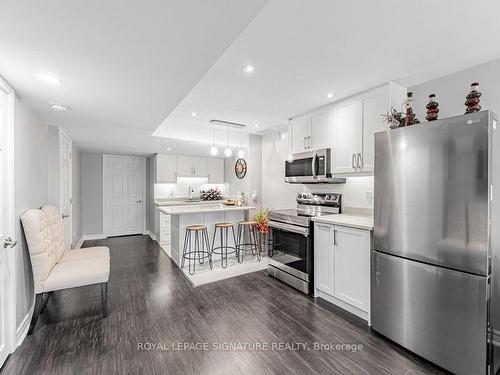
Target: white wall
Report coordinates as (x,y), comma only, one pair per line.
(30,179)
(357,192)
(252,182)
(91,172)
(76,195)
(452,89)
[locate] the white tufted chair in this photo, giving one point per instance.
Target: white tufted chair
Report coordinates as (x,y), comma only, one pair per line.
(54,267)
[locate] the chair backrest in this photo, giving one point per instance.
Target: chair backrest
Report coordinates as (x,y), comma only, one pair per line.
(43,233)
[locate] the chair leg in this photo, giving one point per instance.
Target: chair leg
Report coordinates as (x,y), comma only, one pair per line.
(235,244)
(39,301)
(104,298)
(207,243)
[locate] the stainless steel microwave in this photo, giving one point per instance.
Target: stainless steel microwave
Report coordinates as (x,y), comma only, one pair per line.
(311,167)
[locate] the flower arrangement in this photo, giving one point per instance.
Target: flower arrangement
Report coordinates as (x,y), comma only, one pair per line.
(261,218)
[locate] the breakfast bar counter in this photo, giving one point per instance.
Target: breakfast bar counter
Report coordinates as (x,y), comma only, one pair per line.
(206,214)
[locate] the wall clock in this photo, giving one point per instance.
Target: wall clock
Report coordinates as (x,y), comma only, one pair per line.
(240,168)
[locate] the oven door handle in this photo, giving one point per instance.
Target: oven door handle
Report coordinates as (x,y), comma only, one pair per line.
(289,228)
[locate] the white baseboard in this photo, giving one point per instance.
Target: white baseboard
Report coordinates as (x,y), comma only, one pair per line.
(150,234)
(79,243)
(88,237)
(22,330)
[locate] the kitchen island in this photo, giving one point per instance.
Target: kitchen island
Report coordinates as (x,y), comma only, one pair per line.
(177,218)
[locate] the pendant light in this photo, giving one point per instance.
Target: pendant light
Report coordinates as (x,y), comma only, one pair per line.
(241,152)
(227,151)
(213,150)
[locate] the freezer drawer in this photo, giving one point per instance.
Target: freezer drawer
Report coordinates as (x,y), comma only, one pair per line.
(438,313)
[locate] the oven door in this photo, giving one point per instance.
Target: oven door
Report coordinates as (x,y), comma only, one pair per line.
(290,249)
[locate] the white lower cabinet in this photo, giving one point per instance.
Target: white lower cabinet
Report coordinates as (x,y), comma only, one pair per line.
(342,267)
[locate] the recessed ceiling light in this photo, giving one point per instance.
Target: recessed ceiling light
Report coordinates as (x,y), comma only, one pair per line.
(133,147)
(59,107)
(193,114)
(49,78)
(249,68)
(330,95)
(169,149)
(256,125)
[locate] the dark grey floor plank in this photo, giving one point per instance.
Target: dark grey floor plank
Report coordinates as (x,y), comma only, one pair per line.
(150,300)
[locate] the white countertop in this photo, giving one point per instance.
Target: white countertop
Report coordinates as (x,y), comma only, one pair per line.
(190,209)
(348,220)
(183,202)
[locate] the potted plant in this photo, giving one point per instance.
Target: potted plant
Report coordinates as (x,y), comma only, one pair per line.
(262,218)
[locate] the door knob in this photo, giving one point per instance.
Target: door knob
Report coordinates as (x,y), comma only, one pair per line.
(64,216)
(9,242)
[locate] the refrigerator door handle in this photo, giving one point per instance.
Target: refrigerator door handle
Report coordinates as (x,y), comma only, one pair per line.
(354,161)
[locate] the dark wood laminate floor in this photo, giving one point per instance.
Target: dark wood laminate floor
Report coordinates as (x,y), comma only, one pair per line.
(150,301)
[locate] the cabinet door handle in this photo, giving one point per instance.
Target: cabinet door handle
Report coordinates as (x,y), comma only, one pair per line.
(335,238)
(360,162)
(354,161)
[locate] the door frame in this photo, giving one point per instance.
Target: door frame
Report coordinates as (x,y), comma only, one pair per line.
(10,313)
(62,134)
(142,162)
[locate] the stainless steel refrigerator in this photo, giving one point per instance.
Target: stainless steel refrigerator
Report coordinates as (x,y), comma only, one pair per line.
(436,255)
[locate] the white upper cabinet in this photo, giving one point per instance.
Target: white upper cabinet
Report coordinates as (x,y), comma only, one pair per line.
(355,122)
(165,168)
(346,136)
(312,130)
(185,165)
(299,130)
(215,169)
(191,166)
(347,127)
(373,105)
(200,167)
(320,128)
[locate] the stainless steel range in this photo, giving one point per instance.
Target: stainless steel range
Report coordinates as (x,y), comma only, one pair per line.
(291,238)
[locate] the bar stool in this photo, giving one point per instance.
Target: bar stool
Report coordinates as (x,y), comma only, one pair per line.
(248,228)
(224,249)
(201,249)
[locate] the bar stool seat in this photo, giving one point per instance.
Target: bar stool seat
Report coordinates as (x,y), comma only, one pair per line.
(199,251)
(224,225)
(224,249)
(249,228)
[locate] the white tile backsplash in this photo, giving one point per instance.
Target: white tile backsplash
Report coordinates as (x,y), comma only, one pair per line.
(357,192)
(180,190)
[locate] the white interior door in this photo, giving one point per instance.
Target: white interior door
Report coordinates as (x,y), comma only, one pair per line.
(124,186)
(66,189)
(7,255)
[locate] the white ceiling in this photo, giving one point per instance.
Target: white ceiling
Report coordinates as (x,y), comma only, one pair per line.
(305,49)
(124,64)
(127,66)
